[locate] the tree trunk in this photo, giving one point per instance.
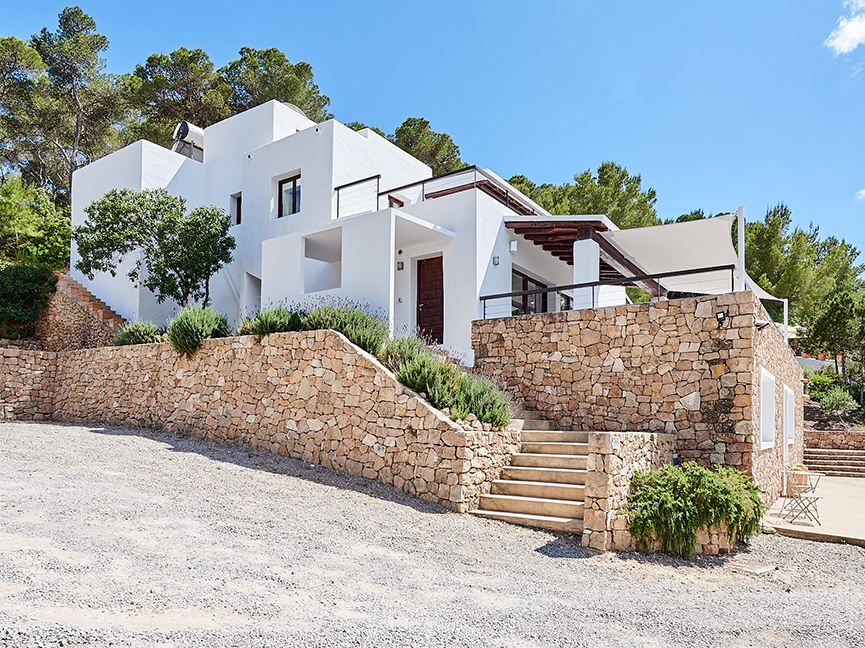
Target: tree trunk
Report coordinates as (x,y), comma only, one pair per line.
(207,291)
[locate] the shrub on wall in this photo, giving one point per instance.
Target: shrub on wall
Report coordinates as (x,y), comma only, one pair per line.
(363,329)
(139,333)
(672,504)
(421,368)
(24,292)
(275,319)
(195,324)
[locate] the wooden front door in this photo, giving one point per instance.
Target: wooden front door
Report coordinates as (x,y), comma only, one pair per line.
(431,299)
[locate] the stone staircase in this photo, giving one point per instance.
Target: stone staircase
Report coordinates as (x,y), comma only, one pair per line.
(837,463)
(544,485)
(87,302)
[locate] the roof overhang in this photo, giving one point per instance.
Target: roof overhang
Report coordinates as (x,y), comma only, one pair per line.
(557,235)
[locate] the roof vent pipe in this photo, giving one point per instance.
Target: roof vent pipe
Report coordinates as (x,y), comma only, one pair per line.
(189,141)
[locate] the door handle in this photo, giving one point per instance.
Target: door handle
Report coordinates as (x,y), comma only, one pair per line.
(420,306)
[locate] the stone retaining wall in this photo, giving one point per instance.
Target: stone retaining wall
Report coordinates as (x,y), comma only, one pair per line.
(711,541)
(667,366)
(613,458)
(835,439)
(63,325)
(26,383)
(312,395)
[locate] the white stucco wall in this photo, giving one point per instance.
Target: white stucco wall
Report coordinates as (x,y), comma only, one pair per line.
(367,264)
(142,165)
(251,152)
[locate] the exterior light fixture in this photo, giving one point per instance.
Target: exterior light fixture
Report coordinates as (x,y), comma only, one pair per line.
(720,317)
(513,247)
(400,265)
(495,260)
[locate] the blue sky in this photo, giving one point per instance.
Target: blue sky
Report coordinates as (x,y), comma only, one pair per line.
(715,104)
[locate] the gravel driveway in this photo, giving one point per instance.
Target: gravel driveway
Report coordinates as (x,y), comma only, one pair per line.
(132,537)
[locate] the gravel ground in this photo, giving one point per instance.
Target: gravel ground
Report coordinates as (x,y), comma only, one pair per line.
(130,537)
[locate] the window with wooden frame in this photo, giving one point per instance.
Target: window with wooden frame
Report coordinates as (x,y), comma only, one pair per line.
(289,196)
(527,304)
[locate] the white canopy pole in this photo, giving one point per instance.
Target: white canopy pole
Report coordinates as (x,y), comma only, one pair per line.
(786,323)
(740,218)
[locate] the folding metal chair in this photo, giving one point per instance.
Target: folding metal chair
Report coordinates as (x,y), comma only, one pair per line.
(801,500)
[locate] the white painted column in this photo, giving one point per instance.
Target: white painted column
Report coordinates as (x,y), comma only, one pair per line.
(587,268)
(740,219)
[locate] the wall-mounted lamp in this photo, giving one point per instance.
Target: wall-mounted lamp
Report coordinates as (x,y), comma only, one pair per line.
(720,317)
(400,265)
(513,247)
(495,260)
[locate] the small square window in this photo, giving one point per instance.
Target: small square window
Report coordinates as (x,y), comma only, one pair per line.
(289,196)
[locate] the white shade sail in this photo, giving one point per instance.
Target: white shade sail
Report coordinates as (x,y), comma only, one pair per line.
(686,246)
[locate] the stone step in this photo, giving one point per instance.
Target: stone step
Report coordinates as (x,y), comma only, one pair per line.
(551,523)
(547,490)
(555,447)
(830,451)
(527,415)
(834,461)
(826,468)
(532,506)
(549,460)
(830,472)
(539,424)
(549,475)
(539,436)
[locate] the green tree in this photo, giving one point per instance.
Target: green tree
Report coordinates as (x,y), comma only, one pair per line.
(834,328)
(175,87)
(72,110)
(359,126)
(180,252)
(20,68)
(612,191)
(259,76)
(797,264)
(694,215)
(32,229)
(438,150)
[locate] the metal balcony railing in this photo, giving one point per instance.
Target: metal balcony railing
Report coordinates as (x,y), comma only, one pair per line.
(505,307)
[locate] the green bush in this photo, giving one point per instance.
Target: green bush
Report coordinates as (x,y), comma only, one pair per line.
(837,401)
(422,369)
(363,329)
(671,504)
(276,319)
(138,333)
(195,324)
(24,292)
(480,396)
(819,385)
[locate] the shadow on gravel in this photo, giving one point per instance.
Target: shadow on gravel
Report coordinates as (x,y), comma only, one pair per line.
(566,547)
(269,462)
(699,561)
(571,547)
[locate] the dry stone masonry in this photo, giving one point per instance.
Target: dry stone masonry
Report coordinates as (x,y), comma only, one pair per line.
(613,459)
(835,439)
(26,383)
(313,396)
(667,366)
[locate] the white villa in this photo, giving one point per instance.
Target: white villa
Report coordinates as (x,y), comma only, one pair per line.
(322,211)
